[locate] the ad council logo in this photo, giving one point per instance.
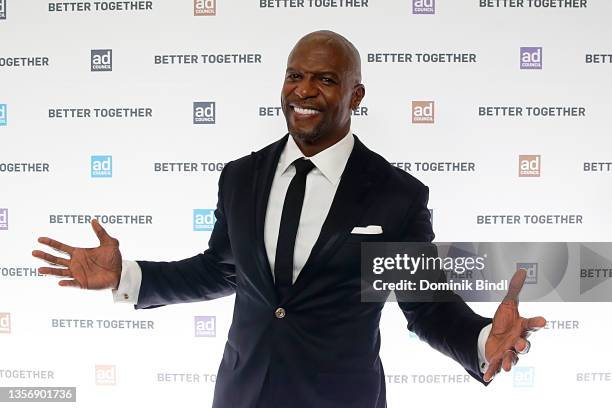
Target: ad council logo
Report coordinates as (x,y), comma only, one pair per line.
(529,165)
(2,112)
(2,9)
(423,6)
(532,271)
(204,7)
(531,57)
(101,60)
(101,166)
(204,113)
(106,375)
(422,111)
(203,219)
(205,326)
(3,219)
(5,323)
(523,376)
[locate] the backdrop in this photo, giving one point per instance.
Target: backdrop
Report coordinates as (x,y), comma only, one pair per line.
(128,110)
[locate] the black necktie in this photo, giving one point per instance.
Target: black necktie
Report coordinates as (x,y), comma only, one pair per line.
(290,219)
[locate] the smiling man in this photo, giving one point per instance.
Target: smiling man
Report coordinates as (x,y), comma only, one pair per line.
(322,85)
(290,221)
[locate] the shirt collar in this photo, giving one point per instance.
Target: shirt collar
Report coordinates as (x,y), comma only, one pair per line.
(330,162)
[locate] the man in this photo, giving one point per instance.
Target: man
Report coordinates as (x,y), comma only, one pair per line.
(285,243)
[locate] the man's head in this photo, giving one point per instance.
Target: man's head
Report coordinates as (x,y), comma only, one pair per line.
(322,85)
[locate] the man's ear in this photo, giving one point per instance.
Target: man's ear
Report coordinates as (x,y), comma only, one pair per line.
(358,94)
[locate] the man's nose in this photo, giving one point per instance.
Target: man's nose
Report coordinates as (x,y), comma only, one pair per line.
(305,89)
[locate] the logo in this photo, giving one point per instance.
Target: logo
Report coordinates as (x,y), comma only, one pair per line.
(101,60)
(5,323)
(203,219)
(531,57)
(423,6)
(205,326)
(532,271)
(529,165)
(422,111)
(2,112)
(523,376)
(204,113)
(106,375)
(2,9)
(101,166)
(3,219)
(204,7)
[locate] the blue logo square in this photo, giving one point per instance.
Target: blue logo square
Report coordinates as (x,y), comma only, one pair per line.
(101,166)
(532,271)
(203,219)
(524,377)
(3,119)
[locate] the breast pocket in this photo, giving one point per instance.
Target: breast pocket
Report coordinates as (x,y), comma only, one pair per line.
(357,239)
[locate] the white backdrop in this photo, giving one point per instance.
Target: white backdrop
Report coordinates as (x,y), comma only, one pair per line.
(168,361)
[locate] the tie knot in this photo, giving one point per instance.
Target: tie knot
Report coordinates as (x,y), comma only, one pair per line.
(303,166)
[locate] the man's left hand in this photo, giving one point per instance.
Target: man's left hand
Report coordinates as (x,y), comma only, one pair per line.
(509,330)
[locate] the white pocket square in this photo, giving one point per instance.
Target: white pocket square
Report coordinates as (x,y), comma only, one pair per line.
(370,229)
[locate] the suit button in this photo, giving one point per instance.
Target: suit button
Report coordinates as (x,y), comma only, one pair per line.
(280,313)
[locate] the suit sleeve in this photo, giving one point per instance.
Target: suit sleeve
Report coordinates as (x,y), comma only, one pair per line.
(451,326)
(205,276)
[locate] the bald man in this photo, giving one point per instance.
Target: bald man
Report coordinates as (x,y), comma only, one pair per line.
(286,241)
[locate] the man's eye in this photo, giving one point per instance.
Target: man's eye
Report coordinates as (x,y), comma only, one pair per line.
(327,80)
(293,76)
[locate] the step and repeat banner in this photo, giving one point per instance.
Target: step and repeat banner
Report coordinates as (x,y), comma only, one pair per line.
(127,111)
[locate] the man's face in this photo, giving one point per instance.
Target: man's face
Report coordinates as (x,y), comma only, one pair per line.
(319,92)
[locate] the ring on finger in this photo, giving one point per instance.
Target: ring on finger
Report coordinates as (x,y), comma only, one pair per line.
(526,349)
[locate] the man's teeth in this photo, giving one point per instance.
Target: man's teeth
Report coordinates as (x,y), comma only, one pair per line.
(303,111)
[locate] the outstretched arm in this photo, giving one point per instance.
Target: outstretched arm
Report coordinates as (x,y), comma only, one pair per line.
(453,328)
(449,326)
(205,276)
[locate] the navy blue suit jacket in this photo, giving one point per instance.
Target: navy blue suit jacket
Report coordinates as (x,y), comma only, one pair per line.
(324,352)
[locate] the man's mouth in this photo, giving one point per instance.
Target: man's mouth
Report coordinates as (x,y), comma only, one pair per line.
(305,111)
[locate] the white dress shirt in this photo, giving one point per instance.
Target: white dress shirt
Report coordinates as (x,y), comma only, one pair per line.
(321,185)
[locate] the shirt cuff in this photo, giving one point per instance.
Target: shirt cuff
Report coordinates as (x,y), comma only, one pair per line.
(483,364)
(129,284)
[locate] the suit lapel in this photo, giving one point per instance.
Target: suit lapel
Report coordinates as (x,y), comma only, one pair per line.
(264,169)
(352,198)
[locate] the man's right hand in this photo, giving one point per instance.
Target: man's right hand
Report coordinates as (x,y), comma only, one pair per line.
(86,268)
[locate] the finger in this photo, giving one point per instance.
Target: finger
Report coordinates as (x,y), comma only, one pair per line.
(515,359)
(494,368)
(521,346)
(52,259)
(508,361)
(71,283)
(54,271)
(534,323)
(516,284)
(101,233)
(56,245)
(526,348)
